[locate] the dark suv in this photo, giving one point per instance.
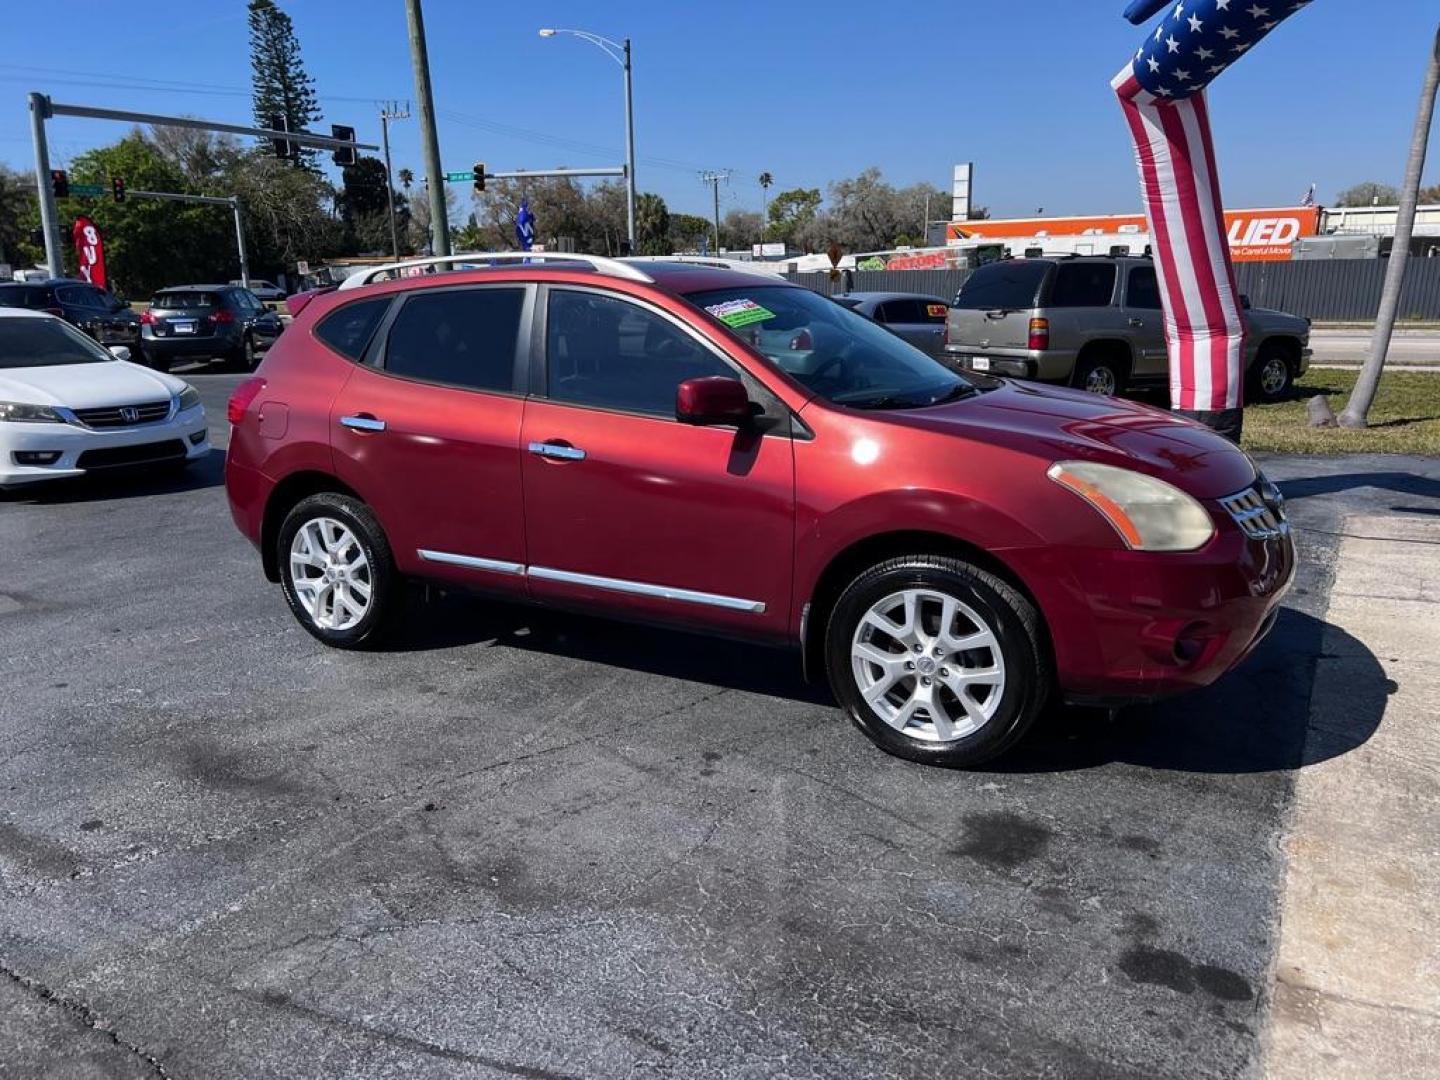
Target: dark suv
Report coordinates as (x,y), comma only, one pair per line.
(92,309)
(1096,322)
(207,320)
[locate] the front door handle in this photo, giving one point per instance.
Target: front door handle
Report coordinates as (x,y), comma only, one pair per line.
(362,422)
(558,451)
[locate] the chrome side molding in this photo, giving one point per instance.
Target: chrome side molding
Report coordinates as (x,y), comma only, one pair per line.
(594,581)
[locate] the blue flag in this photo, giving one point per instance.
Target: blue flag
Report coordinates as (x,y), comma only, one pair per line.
(525,226)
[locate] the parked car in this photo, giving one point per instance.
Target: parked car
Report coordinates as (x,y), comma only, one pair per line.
(69,406)
(916,317)
(1096,322)
(267,291)
(603,434)
(207,320)
(106,319)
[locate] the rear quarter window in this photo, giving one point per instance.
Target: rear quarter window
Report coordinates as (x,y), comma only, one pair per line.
(1013,286)
(1083,285)
(348,329)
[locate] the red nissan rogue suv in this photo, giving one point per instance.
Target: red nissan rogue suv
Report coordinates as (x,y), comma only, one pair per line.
(677,442)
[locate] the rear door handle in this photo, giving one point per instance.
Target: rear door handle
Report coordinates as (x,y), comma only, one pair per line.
(559,451)
(1137,322)
(363,422)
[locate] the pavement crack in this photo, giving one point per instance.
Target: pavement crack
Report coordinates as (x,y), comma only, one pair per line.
(83,1013)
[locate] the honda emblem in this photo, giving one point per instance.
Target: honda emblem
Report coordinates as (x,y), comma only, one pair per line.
(129,414)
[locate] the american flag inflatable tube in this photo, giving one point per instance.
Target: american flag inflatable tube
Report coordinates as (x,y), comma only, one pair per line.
(1162,92)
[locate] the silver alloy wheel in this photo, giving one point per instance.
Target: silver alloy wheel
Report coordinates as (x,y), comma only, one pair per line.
(929,665)
(1100,380)
(1274,375)
(330,574)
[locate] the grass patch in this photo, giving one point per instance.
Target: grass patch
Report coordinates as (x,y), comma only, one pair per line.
(1405,418)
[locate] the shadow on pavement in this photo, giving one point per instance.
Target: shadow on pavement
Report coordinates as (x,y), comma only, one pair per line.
(206,472)
(1405,483)
(1255,719)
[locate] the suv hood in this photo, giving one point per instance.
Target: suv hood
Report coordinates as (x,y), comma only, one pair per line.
(87,386)
(1059,424)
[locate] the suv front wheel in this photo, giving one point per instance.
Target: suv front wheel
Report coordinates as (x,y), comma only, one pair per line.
(336,570)
(937,660)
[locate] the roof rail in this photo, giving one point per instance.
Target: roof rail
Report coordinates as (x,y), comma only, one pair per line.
(599,263)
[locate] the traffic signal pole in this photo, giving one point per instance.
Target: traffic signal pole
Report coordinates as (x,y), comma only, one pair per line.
(233,202)
(49,213)
(42,109)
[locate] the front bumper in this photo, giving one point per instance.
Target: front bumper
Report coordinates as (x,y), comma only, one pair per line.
(82,450)
(1133,625)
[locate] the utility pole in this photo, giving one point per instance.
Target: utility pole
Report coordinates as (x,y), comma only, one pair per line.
(630,157)
(1358,407)
(391,111)
(49,214)
(429,140)
(713,179)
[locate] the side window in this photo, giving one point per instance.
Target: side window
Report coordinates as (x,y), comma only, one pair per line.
(1089,284)
(902,311)
(97,298)
(74,295)
(612,354)
(348,330)
(1143,291)
(460,337)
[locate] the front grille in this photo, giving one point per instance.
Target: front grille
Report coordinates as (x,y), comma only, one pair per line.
(150,412)
(144,454)
(1259,510)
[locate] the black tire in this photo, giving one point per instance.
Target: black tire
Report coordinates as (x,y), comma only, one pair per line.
(1097,369)
(245,358)
(1008,615)
(1272,378)
(384,580)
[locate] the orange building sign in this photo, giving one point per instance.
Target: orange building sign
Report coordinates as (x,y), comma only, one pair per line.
(1255,235)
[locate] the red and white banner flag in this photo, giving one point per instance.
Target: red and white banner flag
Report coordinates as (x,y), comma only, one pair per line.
(89,251)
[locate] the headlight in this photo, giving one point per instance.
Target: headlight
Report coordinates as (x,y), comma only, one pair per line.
(1149,514)
(29,414)
(189,398)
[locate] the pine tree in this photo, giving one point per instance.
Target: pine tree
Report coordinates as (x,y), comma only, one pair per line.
(280,86)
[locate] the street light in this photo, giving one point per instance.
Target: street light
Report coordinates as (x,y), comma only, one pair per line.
(620,53)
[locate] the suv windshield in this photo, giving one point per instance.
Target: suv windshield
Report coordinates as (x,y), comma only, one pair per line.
(33,342)
(1003,286)
(839,355)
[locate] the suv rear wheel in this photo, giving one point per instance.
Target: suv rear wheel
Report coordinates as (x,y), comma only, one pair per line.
(1100,371)
(336,570)
(937,660)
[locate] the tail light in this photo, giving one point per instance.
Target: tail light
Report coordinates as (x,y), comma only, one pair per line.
(1039,334)
(147,318)
(802,341)
(223,316)
(241,399)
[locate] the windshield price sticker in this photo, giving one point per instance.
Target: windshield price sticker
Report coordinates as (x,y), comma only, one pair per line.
(740,312)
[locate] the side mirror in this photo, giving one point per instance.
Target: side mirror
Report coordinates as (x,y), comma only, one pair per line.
(1245,301)
(713,400)
(120,352)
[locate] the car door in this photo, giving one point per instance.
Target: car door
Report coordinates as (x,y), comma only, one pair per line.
(1145,320)
(427,429)
(627,508)
(918,321)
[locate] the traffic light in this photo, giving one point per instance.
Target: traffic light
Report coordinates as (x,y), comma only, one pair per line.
(345,156)
(59,183)
(284,148)
(117,188)
(479,178)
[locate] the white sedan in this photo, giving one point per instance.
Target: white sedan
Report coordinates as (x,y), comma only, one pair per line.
(68,407)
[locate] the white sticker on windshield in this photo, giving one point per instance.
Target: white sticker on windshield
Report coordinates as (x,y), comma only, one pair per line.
(740,312)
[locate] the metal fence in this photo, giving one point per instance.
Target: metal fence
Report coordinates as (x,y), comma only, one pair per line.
(1324,290)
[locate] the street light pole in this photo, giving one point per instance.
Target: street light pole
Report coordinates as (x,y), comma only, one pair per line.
(620,53)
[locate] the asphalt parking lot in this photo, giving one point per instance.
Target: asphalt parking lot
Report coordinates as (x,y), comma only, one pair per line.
(536,845)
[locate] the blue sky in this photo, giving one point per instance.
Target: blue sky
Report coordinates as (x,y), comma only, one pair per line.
(808,91)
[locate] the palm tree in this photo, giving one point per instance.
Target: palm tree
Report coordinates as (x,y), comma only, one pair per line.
(1358,406)
(765,181)
(406,179)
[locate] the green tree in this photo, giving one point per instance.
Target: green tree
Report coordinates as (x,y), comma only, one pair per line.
(17,209)
(652,224)
(791,211)
(686,231)
(1368,194)
(279,83)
